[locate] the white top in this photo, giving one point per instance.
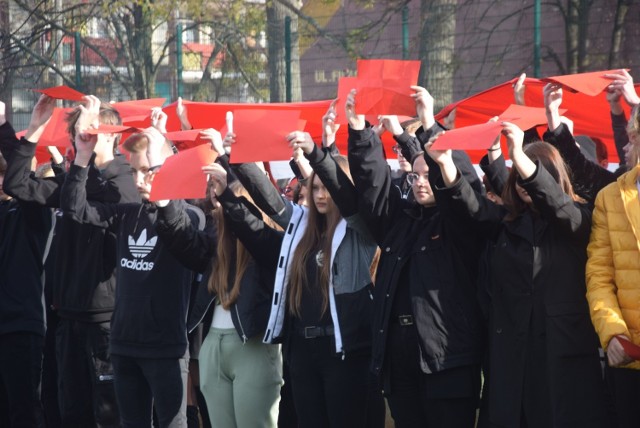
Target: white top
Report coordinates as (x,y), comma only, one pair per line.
(221,317)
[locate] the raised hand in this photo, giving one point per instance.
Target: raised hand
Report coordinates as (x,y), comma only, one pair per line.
(156,145)
(228,142)
(613,98)
(159,119)
(356,121)
(215,138)
(623,82)
(302,140)
(329,125)
(3,113)
(218,177)
(424,106)
(181,112)
(39,118)
(552,102)
(519,89)
(391,123)
(515,139)
(444,160)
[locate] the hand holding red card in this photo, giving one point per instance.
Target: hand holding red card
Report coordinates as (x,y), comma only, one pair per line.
(630,348)
(181,177)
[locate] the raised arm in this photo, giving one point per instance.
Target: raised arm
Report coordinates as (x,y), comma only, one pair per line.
(19,181)
(194,248)
(73,197)
(588,178)
(377,200)
(245,220)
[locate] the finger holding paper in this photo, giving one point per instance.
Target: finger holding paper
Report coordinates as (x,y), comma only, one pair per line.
(214,137)
(356,121)
(183,117)
(444,160)
(40,116)
(616,354)
(217,175)
(515,139)
(329,125)
(424,106)
(519,89)
(229,121)
(302,140)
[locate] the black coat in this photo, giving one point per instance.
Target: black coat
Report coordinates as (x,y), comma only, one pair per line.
(439,258)
(544,358)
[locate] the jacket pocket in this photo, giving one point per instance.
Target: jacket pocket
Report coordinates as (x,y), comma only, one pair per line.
(354,313)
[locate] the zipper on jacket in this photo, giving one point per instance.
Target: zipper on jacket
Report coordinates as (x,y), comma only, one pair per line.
(244,336)
(343,355)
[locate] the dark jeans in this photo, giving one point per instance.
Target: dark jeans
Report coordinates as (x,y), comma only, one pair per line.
(624,385)
(328,391)
(143,382)
(85,375)
(20,371)
(446,399)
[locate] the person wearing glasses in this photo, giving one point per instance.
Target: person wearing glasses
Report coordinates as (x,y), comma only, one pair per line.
(428,336)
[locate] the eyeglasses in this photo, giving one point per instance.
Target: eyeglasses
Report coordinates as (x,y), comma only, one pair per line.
(413,178)
(397,149)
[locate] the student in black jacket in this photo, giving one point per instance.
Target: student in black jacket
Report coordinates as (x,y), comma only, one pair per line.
(544,361)
(25,236)
(84,282)
(427,326)
(148,342)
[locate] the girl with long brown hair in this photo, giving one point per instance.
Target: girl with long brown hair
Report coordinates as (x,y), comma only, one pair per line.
(240,377)
(544,361)
(321,303)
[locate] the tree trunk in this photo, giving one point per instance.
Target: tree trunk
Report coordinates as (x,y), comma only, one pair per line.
(437,45)
(6,93)
(622,7)
(142,52)
(276,13)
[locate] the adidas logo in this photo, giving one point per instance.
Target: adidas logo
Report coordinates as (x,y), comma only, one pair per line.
(141,248)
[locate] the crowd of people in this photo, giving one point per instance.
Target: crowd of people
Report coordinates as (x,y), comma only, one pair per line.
(507,301)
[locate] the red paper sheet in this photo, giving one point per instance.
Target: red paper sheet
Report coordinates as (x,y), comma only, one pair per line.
(587,83)
(590,116)
(137,110)
(631,349)
(384,87)
(111,129)
(62,93)
(474,137)
(181,177)
(186,139)
(525,117)
(261,135)
(213,115)
(55,133)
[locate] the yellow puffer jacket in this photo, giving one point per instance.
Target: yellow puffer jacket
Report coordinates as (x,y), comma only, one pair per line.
(613,268)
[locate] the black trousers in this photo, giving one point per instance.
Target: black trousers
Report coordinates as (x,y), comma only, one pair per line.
(328,391)
(20,374)
(145,382)
(446,399)
(624,386)
(85,375)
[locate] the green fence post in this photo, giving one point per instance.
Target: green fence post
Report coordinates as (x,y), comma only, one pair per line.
(77,46)
(287,56)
